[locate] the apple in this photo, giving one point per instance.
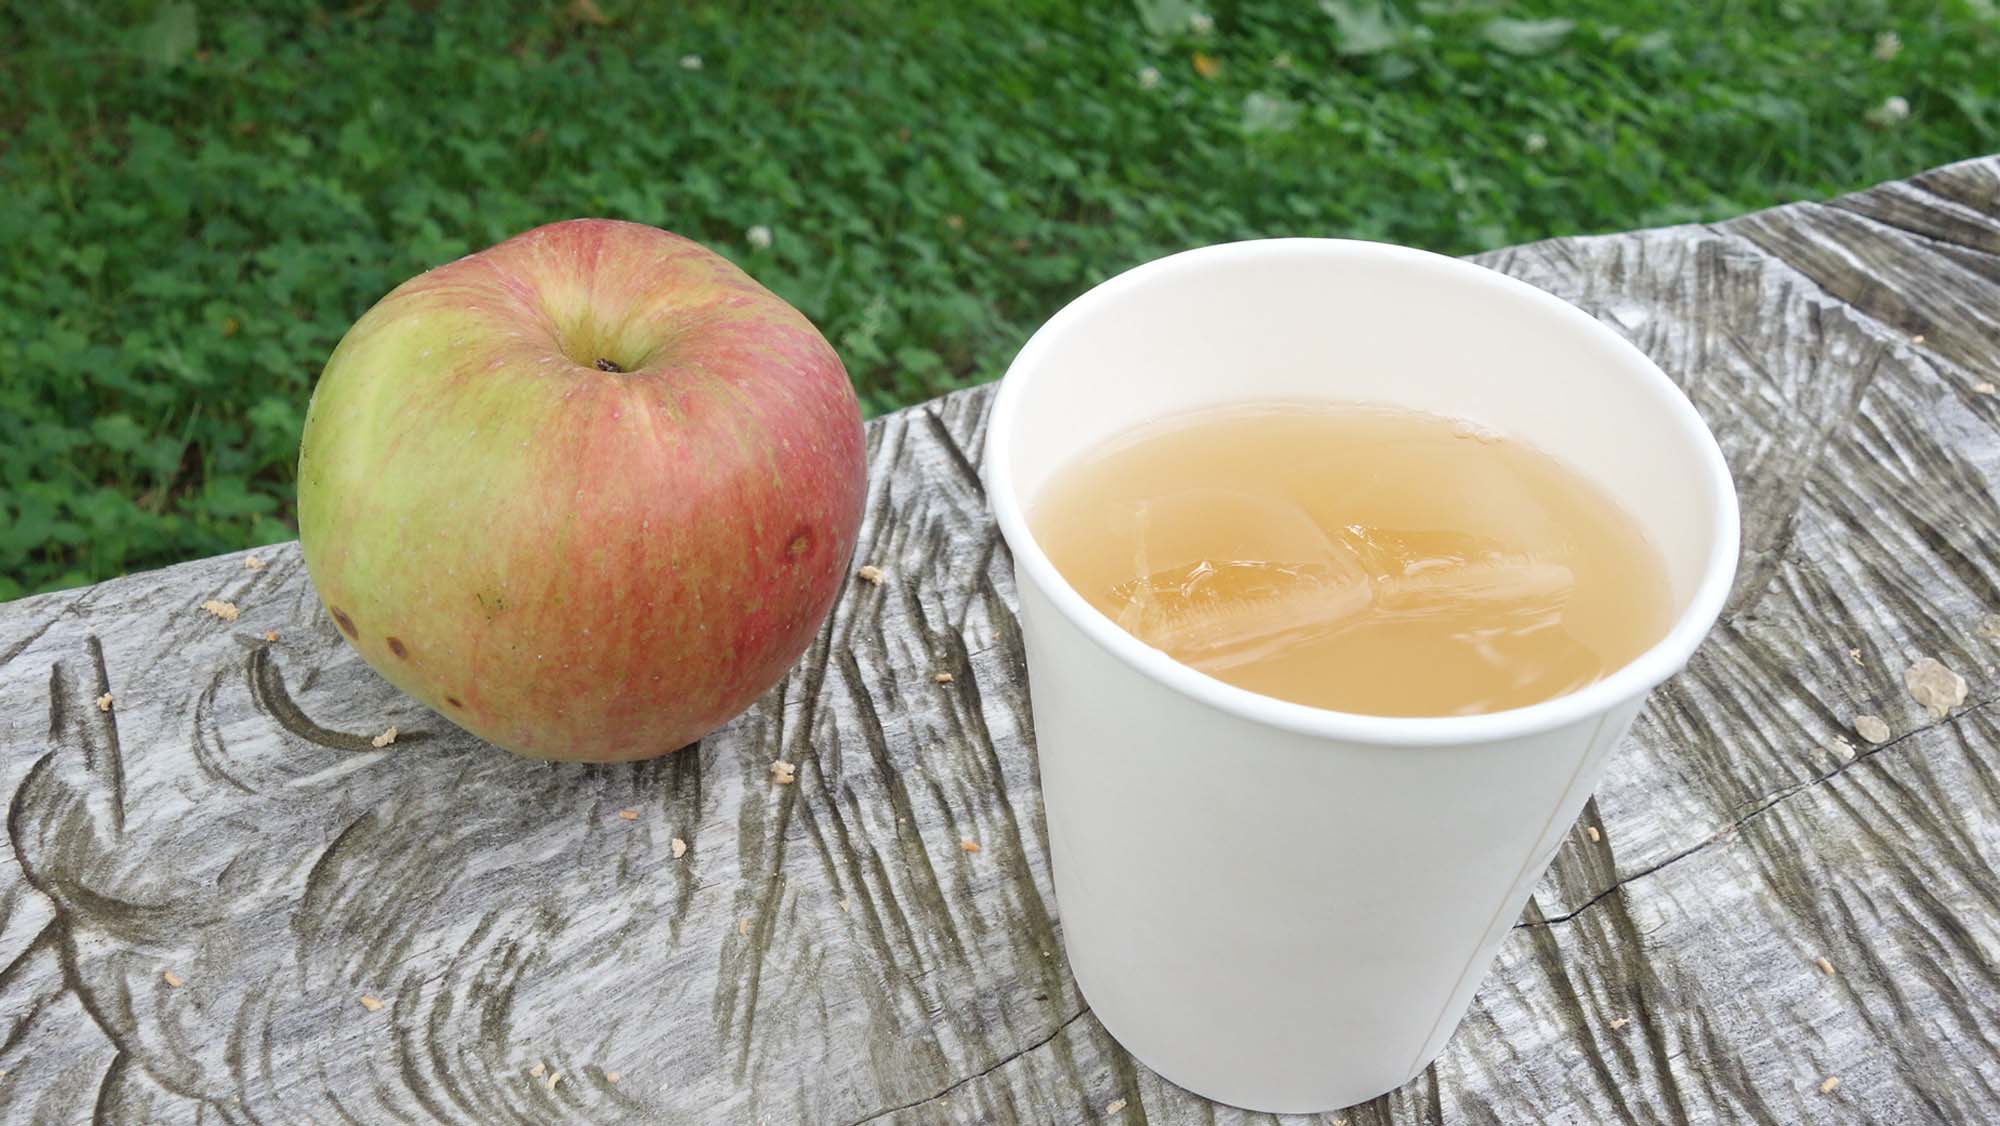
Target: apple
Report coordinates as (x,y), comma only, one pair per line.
(587,493)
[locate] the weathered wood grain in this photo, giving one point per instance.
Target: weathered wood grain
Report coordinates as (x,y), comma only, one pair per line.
(827,952)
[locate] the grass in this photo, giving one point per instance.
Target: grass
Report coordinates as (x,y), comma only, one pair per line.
(199,203)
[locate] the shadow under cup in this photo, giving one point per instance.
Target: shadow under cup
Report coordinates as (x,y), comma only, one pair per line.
(1277,906)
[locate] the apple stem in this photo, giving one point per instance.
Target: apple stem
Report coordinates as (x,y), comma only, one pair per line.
(606,365)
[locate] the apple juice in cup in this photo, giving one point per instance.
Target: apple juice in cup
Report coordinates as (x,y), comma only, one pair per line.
(1363,559)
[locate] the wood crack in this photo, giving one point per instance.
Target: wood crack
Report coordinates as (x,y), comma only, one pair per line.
(267,688)
(114,754)
(1043,1042)
(107,1088)
(1871,316)
(1930,238)
(959,458)
(21,646)
(1765,246)
(1729,830)
(59,929)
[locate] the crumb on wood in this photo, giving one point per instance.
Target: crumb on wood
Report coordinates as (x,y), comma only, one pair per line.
(172,979)
(104,702)
(1620,1022)
(227,611)
(1825,967)
(538,1070)
(270,635)
(611,1077)
(1855,655)
(1933,684)
(1985,387)
(1114,1106)
(1871,728)
(372,1004)
(784,773)
(387,737)
(844,905)
(1595,836)
(870,573)
(628,815)
(1917,339)
(680,848)
(252,563)
(968,844)
(1827,1085)
(555,1077)
(942,678)
(743,926)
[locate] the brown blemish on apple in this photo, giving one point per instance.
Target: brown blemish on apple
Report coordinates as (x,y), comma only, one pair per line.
(345,623)
(603,364)
(454,701)
(397,647)
(801,541)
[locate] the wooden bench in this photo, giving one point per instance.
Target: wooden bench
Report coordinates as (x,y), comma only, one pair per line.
(220,903)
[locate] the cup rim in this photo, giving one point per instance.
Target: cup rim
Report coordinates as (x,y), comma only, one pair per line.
(1628,682)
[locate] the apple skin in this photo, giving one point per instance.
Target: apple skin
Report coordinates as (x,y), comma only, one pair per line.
(575,563)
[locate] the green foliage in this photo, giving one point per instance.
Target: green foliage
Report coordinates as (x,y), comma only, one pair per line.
(200,198)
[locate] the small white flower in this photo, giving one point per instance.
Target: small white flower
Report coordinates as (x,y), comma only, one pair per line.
(1888,45)
(1201,23)
(1149,77)
(758,236)
(1535,142)
(1893,111)
(690,62)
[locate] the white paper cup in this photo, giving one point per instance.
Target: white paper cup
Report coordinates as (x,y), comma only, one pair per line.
(1278,906)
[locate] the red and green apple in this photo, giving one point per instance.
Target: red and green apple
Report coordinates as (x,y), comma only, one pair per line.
(587,493)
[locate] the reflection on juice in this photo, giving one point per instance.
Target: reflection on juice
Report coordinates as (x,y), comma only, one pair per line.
(1362,559)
